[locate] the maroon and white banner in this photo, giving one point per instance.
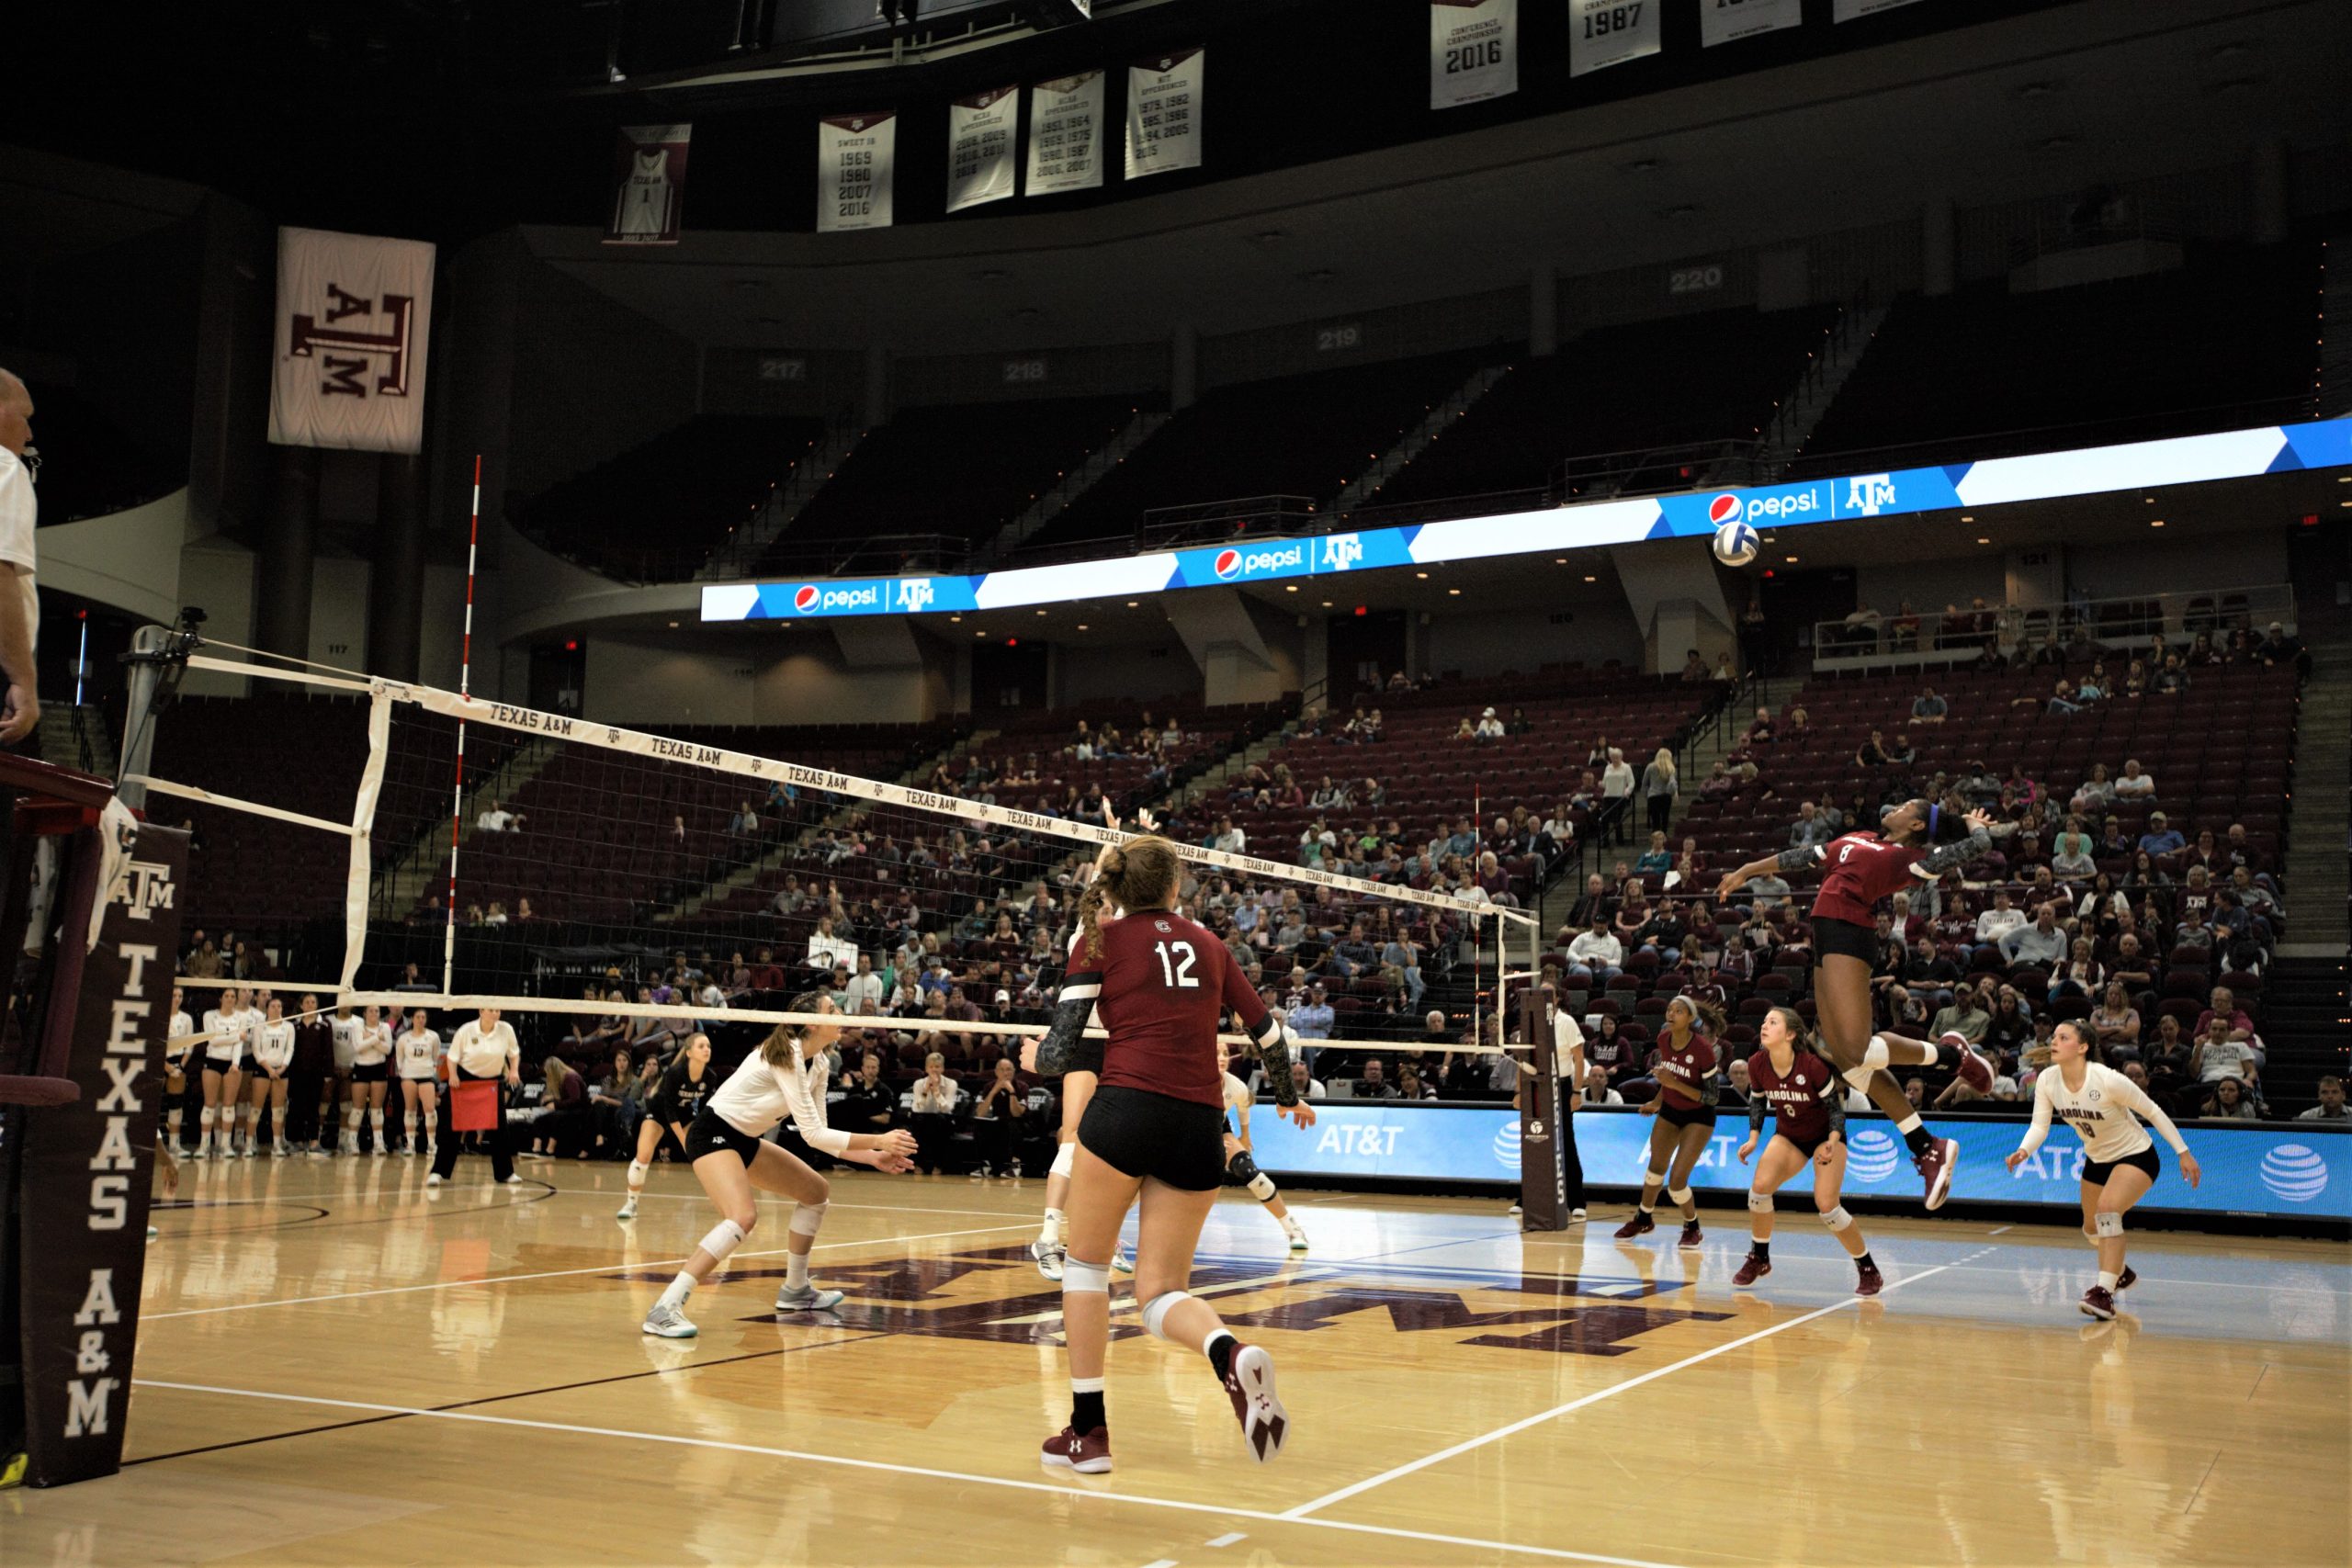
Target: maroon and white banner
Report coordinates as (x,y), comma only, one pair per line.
(1729,21)
(649,185)
(1602,33)
(980,131)
(1066,134)
(1164,114)
(352,313)
(855,156)
(1851,10)
(1474,51)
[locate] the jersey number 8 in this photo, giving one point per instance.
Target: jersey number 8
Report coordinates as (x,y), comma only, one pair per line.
(1179,972)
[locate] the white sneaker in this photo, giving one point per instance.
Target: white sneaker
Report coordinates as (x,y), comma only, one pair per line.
(432,1151)
(807,1298)
(511,1180)
(1298,1239)
(1123,1258)
(1576,1213)
(408,1153)
(433,1178)
(378,1151)
(628,1210)
(348,1143)
(667,1322)
(1048,1256)
(1516,1210)
(280,1149)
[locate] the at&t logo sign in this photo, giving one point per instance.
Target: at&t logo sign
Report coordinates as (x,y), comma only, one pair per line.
(1872,1156)
(2294,1174)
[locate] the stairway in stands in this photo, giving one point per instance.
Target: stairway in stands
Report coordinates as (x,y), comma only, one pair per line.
(2306,1011)
(1365,485)
(1054,501)
(1801,410)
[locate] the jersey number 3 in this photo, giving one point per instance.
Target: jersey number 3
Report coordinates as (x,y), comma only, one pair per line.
(1178,973)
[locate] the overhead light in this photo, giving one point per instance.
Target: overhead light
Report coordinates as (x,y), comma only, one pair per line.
(955,618)
(2155,522)
(1327,603)
(979,634)
(1559,560)
(1131,603)
(1592,580)
(1984,541)
(1422,575)
(1081,626)
(1290,587)
(1793,560)
(1455,592)
(673,625)
(1967,517)
(1041,612)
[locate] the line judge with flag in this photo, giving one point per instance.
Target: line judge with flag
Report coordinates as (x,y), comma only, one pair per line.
(484,1050)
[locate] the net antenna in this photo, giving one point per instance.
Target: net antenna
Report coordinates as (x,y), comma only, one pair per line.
(457,782)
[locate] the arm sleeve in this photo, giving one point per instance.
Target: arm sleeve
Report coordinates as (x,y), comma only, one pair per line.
(1798,856)
(808,1113)
(1833,1101)
(1754,1116)
(2041,1127)
(2152,1114)
(1949,857)
(1060,1050)
(1270,1036)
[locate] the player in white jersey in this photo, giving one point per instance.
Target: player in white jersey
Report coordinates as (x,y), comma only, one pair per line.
(371,1051)
(1241,1166)
(344,1029)
(2103,1108)
(250,1018)
(179,1044)
(273,1060)
(416,1062)
(727,1144)
(224,1052)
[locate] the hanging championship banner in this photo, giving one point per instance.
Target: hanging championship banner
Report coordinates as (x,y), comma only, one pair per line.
(854,154)
(1164,114)
(1602,33)
(1727,21)
(1066,134)
(979,148)
(649,185)
(1851,10)
(1474,51)
(352,317)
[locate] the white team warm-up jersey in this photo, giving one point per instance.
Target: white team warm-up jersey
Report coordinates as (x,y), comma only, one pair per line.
(2105,1111)
(274,1045)
(373,1045)
(757,1097)
(226,1031)
(181,1027)
(346,1041)
(415,1055)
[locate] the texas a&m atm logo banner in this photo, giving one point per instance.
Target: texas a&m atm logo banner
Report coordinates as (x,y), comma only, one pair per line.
(352,314)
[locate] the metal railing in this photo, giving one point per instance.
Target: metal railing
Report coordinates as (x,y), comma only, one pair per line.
(1870,637)
(1217,521)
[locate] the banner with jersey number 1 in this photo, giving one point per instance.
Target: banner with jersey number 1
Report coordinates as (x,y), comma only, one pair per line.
(1474,51)
(352,314)
(1602,33)
(649,185)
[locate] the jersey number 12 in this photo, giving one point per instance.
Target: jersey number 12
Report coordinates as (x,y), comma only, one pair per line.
(1179,972)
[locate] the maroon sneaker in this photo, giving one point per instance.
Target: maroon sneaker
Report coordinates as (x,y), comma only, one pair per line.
(1249,1384)
(1936,1167)
(1690,1238)
(1088,1455)
(1752,1269)
(1642,1223)
(1867,1281)
(2126,1280)
(2099,1302)
(1973,1069)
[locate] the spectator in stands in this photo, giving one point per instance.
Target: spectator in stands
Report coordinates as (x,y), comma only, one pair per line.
(2171,679)
(1660,784)
(1812,826)
(1229,840)
(2116,1021)
(2095,793)
(1657,860)
(1312,1019)
(2042,943)
(2072,862)
(2231,1100)
(1770,891)
(1872,752)
(933,1117)
(498,819)
(1597,956)
(1372,1083)
(2218,1055)
(1304,1083)
(2161,837)
(1616,798)
(1928,708)
(1762,731)
(2281,648)
(827,950)
(2010,1028)
(1931,969)
(1694,666)
(997,1120)
(2330,1102)
(2224,1011)
(2134,784)
(1488,727)
(2080,976)
(1411,1085)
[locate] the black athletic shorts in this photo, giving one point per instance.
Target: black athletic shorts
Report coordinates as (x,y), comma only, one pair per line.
(1674,1115)
(710,1133)
(234,1065)
(371,1072)
(2097,1171)
(1138,1133)
(1831,934)
(1806,1147)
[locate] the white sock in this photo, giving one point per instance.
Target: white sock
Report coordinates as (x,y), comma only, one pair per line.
(408,1128)
(679,1289)
(171,1120)
(204,1122)
(2107,1281)
(796,1271)
(1909,1124)
(1050,1233)
(375,1124)
(351,1121)
(636,1179)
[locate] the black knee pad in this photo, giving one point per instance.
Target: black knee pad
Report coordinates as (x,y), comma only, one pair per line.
(1241,1171)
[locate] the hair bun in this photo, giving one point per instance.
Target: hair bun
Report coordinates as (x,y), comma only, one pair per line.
(1116,863)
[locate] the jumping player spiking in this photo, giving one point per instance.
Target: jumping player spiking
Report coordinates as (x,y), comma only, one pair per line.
(1807,1105)
(1864,871)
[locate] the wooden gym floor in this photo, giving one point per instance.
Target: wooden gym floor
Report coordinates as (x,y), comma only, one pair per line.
(335,1370)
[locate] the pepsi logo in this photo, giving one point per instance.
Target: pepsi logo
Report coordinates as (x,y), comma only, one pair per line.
(1723,509)
(805,600)
(1229,563)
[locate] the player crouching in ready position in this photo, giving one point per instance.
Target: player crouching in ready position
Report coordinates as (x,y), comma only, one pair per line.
(1808,1108)
(2103,1108)
(1685,1107)
(1151,1133)
(1241,1163)
(786,1076)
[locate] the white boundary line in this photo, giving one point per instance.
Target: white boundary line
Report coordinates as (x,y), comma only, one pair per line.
(1303,1509)
(1220,1510)
(621,1263)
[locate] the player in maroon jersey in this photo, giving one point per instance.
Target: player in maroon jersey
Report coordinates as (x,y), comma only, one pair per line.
(1808,1104)
(1685,1107)
(1153,1132)
(1921,839)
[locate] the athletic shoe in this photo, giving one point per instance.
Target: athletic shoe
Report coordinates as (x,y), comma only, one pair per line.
(2125,1280)
(314,1151)
(2099,1302)
(409,1152)
(1516,1210)
(280,1149)
(1249,1384)
(1573,1213)
(1867,1281)
(1690,1238)
(1751,1269)
(1123,1258)
(1048,1256)
(1642,1223)
(1298,1240)
(247,1152)
(432,1178)
(1936,1167)
(628,1210)
(807,1298)
(666,1322)
(511,1180)
(379,1152)
(1974,1070)
(1088,1455)
(152,1234)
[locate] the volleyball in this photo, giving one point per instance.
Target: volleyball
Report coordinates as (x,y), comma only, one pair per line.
(1735,544)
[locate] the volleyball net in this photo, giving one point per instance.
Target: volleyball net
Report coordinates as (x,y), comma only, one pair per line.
(578,872)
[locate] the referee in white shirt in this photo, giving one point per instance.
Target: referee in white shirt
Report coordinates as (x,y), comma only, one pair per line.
(19,600)
(482,1049)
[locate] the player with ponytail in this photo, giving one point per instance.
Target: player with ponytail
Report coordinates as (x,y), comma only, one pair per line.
(1685,1109)
(1807,1101)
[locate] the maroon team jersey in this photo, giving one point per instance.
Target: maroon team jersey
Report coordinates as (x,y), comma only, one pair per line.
(1160,987)
(1799,1110)
(1696,1062)
(1864,871)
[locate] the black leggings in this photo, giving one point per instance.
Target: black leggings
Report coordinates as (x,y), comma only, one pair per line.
(501,1153)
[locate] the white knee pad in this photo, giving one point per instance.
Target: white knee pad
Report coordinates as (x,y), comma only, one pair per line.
(807,1218)
(1679,1194)
(1876,1055)
(1065,1160)
(1261,1188)
(1085,1279)
(1759,1202)
(1859,1076)
(1156,1311)
(723,1237)
(1837,1219)
(2107,1223)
